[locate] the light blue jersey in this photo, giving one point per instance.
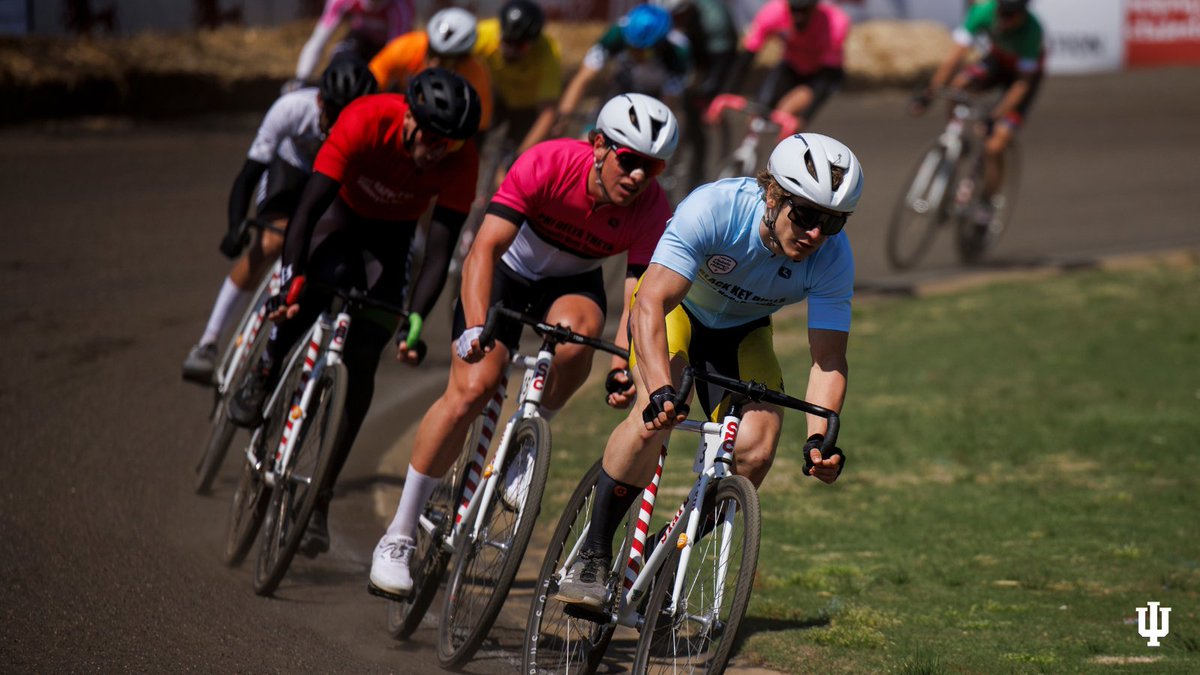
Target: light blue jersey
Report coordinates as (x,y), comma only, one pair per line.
(714,242)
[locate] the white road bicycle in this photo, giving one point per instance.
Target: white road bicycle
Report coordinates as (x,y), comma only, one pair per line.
(947,188)
(288,461)
(244,348)
(688,597)
(481,516)
(743,159)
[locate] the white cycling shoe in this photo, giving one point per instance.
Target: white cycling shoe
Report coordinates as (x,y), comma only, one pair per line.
(390,564)
(516,479)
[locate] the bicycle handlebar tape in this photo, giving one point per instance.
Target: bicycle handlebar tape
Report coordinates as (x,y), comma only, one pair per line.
(820,442)
(489,327)
(659,398)
(612,386)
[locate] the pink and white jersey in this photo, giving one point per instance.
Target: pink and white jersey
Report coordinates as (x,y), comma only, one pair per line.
(378,20)
(819,45)
(563,230)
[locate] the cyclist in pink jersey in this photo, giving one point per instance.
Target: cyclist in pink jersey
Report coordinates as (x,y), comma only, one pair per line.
(811,70)
(565,207)
(372,24)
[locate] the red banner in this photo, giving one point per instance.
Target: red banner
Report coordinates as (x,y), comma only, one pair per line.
(1162,32)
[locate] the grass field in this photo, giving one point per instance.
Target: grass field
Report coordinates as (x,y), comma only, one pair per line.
(1023,474)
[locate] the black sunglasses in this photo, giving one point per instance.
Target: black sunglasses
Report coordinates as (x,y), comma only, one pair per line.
(808,217)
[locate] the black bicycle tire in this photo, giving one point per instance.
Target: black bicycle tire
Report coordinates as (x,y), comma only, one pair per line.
(902,213)
(404,616)
(222,429)
(268,573)
(972,244)
(741,491)
(546,585)
(452,655)
(250,501)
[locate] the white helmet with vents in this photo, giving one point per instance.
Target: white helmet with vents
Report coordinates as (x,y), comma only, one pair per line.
(804,165)
(451,32)
(641,123)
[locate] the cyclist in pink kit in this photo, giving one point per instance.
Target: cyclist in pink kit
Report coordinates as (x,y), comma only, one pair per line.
(372,24)
(814,36)
(564,207)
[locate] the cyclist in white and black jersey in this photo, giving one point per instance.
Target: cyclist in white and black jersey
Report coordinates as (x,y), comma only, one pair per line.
(277,167)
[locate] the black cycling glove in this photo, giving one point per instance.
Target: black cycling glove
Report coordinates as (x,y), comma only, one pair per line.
(658,399)
(815,441)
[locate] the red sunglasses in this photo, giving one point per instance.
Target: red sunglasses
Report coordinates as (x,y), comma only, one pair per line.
(631,161)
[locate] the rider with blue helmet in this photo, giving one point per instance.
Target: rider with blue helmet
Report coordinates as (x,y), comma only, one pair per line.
(651,58)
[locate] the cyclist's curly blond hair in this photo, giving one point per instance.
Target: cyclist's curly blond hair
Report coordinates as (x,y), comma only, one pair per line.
(773,191)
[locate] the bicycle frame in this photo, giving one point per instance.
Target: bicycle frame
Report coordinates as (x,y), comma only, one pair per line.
(314,363)
(537,369)
(234,360)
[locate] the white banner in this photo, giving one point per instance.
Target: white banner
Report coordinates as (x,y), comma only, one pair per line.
(1083,36)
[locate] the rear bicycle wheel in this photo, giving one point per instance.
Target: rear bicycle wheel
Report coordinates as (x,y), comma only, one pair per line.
(430,558)
(974,239)
(485,566)
(920,209)
(300,484)
(697,634)
(222,429)
(558,637)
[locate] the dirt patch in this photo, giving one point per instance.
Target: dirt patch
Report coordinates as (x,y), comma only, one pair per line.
(236,68)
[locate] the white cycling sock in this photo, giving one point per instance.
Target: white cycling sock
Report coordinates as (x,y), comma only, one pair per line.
(229,296)
(417,489)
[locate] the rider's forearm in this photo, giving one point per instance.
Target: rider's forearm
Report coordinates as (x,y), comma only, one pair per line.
(571,97)
(495,235)
(541,127)
(310,54)
(621,339)
(947,67)
(318,194)
(1011,99)
(826,388)
(243,188)
(439,250)
(647,322)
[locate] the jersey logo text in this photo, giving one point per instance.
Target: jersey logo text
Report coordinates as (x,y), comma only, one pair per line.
(720,264)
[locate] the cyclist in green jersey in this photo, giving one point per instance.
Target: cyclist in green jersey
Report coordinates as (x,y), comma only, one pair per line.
(1015,55)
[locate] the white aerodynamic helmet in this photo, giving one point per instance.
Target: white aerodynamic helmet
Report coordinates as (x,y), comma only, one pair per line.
(451,32)
(803,165)
(641,123)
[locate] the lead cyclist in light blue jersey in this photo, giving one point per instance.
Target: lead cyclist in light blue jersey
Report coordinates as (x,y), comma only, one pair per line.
(734,253)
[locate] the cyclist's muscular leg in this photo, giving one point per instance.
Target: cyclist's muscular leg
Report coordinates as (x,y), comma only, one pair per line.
(572,363)
(631,454)
(757,439)
(993,171)
(796,102)
(250,268)
(443,430)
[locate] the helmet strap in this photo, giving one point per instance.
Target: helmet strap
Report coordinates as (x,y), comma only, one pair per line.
(599,166)
(769,217)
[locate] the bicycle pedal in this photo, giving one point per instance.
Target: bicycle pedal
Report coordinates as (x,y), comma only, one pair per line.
(387,595)
(581,612)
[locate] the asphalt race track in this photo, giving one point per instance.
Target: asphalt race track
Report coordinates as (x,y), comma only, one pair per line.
(109,265)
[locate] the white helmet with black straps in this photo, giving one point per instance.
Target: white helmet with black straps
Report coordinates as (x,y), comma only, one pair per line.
(451,32)
(641,123)
(803,165)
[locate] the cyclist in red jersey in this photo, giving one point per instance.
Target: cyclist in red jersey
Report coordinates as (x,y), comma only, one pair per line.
(385,161)
(565,206)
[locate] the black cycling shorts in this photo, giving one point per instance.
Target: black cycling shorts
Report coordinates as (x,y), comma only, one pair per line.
(988,73)
(532,298)
(280,191)
(782,79)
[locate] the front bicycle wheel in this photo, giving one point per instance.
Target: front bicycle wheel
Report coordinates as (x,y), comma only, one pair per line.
(558,638)
(301,483)
(431,556)
(222,429)
(485,566)
(920,209)
(696,634)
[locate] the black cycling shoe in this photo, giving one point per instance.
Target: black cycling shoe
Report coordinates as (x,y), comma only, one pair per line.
(245,408)
(316,537)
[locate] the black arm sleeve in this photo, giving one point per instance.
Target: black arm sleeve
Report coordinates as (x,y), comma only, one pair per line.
(734,77)
(439,248)
(243,188)
(318,194)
